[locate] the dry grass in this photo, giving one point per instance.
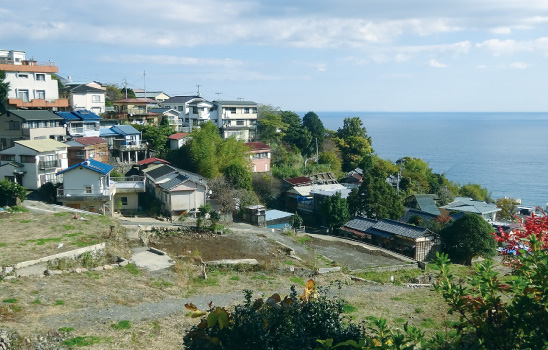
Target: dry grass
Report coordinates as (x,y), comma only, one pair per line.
(27,236)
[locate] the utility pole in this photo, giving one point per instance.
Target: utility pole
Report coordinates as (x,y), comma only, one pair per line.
(145,83)
(125,86)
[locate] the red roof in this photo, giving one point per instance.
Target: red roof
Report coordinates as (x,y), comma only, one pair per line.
(90,140)
(258,146)
(152,160)
(301,180)
(178,135)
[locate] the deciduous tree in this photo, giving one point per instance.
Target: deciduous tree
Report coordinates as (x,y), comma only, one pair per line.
(335,211)
(509,208)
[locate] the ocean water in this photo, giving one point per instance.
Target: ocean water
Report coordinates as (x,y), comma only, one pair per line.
(507,153)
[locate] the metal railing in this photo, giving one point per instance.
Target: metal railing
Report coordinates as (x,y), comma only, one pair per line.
(87,193)
(46,164)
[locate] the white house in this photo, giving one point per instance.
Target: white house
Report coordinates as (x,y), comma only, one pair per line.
(236,118)
(31,83)
(32,163)
(84,96)
(81,123)
(194,110)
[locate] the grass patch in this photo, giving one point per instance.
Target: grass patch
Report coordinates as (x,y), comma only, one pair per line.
(72,235)
(10,301)
(42,241)
(25,221)
(396,299)
(303,239)
(66,329)
(262,277)
(347,308)
(162,283)
(65,213)
(3,245)
(59,302)
(428,323)
(419,310)
(82,341)
(297,280)
(36,301)
(132,268)
(211,282)
(400,277)
(94,274)
(289,262)
(68,227)
(18,209)
(400,320)
(121,325)
(235,278)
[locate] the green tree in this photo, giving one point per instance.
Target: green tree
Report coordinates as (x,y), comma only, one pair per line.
(331,159)
(203,149)
(11,193)
(4,90)
(157,138)
(468,237)
(476,192)
(130,93)
(239,176)
(112,93)
(314,125)
(296,221)
(297,136)
(335,211)
(509,208)
(375,198)
(353,142)
(268,188)
(271,127)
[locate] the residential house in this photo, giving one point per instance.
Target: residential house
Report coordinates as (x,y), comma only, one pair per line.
(260,156)
(87,186)
(423,202)
(85,97)
(236,118)
(32,163)
(180,191)
(169,116)
(177,140)
(415,242)
(31,83)
(194,110)
(488,211)
(82,148)
(159,96)
(255,214)
(135,111)
(125,142)
(30,125)
(81,123)
(352,179)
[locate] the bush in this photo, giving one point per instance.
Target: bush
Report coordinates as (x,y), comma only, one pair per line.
(291,323)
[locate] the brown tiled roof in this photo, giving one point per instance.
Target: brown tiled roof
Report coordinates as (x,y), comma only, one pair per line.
(301,180)
(178,135)
(90,140)
(258,146)
(152,160)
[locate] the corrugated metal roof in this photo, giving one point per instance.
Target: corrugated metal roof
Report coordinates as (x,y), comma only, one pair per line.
(90,140)
(106,132)
(307,189)
(152,160)
(68,116)
(469,205)
(84,114)
(43,145)
(386,228)
(298,180)
(124,130)
(274,214)
(176,181)
(160,172)
(91,164)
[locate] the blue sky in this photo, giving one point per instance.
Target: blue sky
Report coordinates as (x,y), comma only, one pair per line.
(345,55)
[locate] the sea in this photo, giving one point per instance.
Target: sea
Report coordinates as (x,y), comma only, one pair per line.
(507,153)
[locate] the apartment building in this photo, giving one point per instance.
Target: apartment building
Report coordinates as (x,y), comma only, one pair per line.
(30,125)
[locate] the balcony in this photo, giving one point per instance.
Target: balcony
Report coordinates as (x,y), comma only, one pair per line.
(137,147)
(48,67)
(132,184)
(76,131)
(81,194)
(38,103)
(48,164)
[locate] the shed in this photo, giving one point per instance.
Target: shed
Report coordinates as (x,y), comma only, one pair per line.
(278,219)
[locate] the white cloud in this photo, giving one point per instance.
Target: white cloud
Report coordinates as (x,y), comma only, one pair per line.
(434,63)
(507,47)
(501,30)
(519,65)
(481,66)
(171,60)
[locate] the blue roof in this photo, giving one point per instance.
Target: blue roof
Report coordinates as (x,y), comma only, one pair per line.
(91,164)
(106,132)
(84,114)
(68,116)
(125,130)
(274,214)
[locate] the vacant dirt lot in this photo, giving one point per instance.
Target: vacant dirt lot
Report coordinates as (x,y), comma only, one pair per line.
(90,303)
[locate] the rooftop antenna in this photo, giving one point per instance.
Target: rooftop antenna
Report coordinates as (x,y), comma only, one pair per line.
(145,83)
(198,86)
(218,95)
(125,86)
(240,98)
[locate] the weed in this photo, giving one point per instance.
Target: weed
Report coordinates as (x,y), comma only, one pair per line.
(297,280)
(66,329)
(25,221)
(68,227)
(262,277)
(400,320)
(65,213)
(132,268)
(121,325)
(59,302)
(72,235)
(211,282)
(303,239)
(347,308)
(419,310)
(234,278)
(10,301)
(87,259)
(36,301)
(428,323)
(3,244)
(18,209)
(82,341)
(42,241)
(396,299)
(162,283)
(93,274)
(289,262)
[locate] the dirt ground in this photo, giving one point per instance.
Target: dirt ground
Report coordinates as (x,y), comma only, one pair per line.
(89,304)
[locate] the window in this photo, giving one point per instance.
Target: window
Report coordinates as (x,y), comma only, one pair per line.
(180,108)
(40,77)
(123,200)
(23,76)
(194,110)
(95,98)
(23,95)
(10,178)
(240,122)
(7,157)
(246,110)
(26,159)
(41,94)
(13,125)
(80,154)
(88,189)
(232,110)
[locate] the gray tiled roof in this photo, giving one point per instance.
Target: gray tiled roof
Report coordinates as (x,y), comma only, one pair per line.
(35,114)
(386,228)
(425,216)
(176,181)
(360,224)
(426,203)
(469,205)
(179,99)
(160,172)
